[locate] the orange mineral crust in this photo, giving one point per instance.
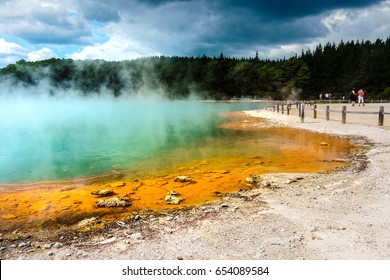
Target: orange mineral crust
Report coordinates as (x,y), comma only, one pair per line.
(200,178)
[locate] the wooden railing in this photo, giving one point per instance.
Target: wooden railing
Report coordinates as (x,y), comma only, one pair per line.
(311,106)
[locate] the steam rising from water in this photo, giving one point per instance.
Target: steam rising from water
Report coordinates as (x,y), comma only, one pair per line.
(45,137)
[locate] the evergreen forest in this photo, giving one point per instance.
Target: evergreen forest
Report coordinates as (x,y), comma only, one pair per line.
(327,68)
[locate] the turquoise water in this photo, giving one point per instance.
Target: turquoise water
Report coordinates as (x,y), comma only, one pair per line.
(46,138)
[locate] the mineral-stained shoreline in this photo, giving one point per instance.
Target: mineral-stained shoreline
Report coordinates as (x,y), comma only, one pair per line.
(343,214)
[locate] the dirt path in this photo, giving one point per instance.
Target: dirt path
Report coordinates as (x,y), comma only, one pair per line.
(338,215)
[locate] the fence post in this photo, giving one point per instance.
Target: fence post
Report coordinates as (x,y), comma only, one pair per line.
(381,115)
(344,115)
(315,111)
(302,112)
(282,108)
(277,107)
(288,109)
(327,112)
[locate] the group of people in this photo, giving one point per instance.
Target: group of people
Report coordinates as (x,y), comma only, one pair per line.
(354,97)
(359,97)
(325,96)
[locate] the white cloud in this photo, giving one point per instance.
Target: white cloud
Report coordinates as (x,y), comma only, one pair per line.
(10,52)
(44,22)
(356,24)
(174,28)
(9,48)
(41,54)
(118,47)
(277,52)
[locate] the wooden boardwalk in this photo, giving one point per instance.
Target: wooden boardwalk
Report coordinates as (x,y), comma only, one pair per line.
(368,114)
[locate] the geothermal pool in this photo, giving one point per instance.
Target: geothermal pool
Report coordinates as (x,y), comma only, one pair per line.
(53,139)
(55,151)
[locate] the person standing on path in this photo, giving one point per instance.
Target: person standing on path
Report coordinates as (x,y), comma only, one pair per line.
(361,97)
(353,97)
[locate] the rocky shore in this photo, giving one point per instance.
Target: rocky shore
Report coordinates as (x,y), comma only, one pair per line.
(343,214)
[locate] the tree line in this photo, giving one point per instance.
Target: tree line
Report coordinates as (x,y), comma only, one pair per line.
(329,68)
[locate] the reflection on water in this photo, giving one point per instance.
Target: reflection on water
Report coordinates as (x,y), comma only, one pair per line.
(137,152)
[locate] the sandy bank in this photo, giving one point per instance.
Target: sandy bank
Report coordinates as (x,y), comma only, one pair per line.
(334,215)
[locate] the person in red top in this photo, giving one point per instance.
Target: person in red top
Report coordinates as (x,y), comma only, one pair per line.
(361,97)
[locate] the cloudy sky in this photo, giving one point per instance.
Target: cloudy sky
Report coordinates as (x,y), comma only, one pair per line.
(127,29)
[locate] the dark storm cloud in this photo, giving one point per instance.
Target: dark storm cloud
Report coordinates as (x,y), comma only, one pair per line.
(54,36)
(238,23)
(292,9)
(249,24)
(100,11)
(281,6)
(252,28)
(281,20)
(273,8)
(237,20)
(171,27)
